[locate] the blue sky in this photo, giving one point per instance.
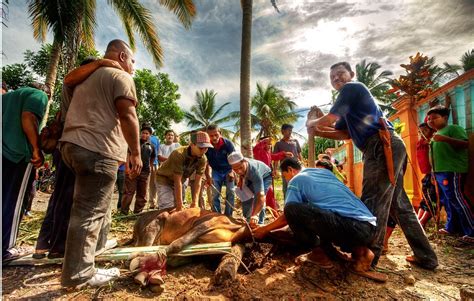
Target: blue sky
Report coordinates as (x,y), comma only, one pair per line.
(292,49)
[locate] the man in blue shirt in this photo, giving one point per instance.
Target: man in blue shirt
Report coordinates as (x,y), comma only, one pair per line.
(222,173)
(355,115)
(320,210)
(255,177)
(152,186)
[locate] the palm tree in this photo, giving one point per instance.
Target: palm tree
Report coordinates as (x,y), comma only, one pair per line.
(271,109)
(73,24)
(245,123)
(204,113)
(467,60)
(378,85)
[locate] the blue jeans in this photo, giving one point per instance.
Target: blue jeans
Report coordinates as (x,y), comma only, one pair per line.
(220,179)
(247,206)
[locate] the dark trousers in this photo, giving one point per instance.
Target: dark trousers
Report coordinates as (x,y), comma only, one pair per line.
(53,231)
(120,186)
(138,187)
(316,227)
(459,208)
(15,189)
(384,200)
(90,213)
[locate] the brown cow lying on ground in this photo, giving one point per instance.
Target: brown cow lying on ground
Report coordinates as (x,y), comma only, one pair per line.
(176,230)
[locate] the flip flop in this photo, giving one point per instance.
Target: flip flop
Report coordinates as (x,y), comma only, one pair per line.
(467,239)
(443,232)
(411,259)
(305,258)
(372,275)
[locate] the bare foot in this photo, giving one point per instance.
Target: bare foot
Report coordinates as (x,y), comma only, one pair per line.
(362,257)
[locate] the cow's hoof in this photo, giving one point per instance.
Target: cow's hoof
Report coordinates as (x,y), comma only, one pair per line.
(155,278)
(141,278)
(134,264)
(156,288)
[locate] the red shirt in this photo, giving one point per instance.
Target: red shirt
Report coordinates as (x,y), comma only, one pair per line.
(261,154)
(423,155)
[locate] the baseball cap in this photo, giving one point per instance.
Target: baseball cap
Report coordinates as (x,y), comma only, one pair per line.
(201,139)
(234,157)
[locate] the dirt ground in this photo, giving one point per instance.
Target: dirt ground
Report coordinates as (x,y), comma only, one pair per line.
(271,278)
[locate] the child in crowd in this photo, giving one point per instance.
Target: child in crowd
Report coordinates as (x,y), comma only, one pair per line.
(428,203)
(449,155)
(140,183)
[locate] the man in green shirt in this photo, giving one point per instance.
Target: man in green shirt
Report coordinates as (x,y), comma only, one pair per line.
(179,166)
(22,111)
(450,163)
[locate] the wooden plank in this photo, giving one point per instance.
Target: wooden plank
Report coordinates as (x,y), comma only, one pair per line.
(124,253)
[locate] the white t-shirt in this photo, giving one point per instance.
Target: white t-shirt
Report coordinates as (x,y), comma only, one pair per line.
(165,150)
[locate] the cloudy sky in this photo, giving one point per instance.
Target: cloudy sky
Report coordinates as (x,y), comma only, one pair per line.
(292,49)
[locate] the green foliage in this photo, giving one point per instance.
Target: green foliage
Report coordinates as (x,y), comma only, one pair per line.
(378,85)
(467,60)
(157,96)
(270,110)
(16,76)
(320,145)
(206,112)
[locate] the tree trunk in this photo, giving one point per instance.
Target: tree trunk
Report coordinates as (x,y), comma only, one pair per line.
(227,269)
(51,75)
(245,126)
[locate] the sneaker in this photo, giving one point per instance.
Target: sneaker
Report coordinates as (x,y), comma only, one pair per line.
(17,252)
(110,244)
(101,277)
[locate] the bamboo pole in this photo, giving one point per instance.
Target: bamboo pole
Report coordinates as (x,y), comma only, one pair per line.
(124,253)
(313,114)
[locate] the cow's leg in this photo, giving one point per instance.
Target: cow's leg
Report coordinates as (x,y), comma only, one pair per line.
(193,234)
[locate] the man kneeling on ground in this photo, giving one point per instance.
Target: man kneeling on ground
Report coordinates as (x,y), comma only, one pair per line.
(321,211)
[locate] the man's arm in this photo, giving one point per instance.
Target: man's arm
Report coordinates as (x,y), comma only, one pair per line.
(456,143)
(129,124)
(29,124)
(261,232)
(209,174)
(178,191)
(324,127)
(259,204)
(197,190)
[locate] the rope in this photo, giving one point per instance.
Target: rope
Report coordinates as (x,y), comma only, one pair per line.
(25,283)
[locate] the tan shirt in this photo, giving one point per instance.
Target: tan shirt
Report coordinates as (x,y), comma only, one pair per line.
(92,119)
(180,162)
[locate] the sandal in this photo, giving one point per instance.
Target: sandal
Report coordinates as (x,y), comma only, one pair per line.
(467,239)
(372,275)
(305,258)
(39,254)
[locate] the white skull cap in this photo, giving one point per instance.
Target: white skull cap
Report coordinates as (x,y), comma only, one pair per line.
(234,157)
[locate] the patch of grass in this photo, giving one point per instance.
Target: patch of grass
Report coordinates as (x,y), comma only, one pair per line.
(30,227)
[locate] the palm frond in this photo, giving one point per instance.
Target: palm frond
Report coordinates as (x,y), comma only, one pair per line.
(141,20)
(185,10)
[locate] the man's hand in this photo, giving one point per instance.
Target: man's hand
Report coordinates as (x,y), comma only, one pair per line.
(259,232)
(136,165)
(289,154)
(37,158)
(193,205)
(253,222)
(179,207)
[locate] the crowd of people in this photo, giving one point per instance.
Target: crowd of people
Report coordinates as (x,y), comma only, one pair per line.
(102,145)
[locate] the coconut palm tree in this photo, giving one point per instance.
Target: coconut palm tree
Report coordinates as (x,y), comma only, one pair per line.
(270,109)
(73,24)
(378,84)
(245,56)
(205,112)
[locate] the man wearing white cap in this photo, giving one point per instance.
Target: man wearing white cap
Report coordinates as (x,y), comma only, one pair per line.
(255,177)
(181,164)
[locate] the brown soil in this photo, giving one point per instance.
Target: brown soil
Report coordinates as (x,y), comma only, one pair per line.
(272,277)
